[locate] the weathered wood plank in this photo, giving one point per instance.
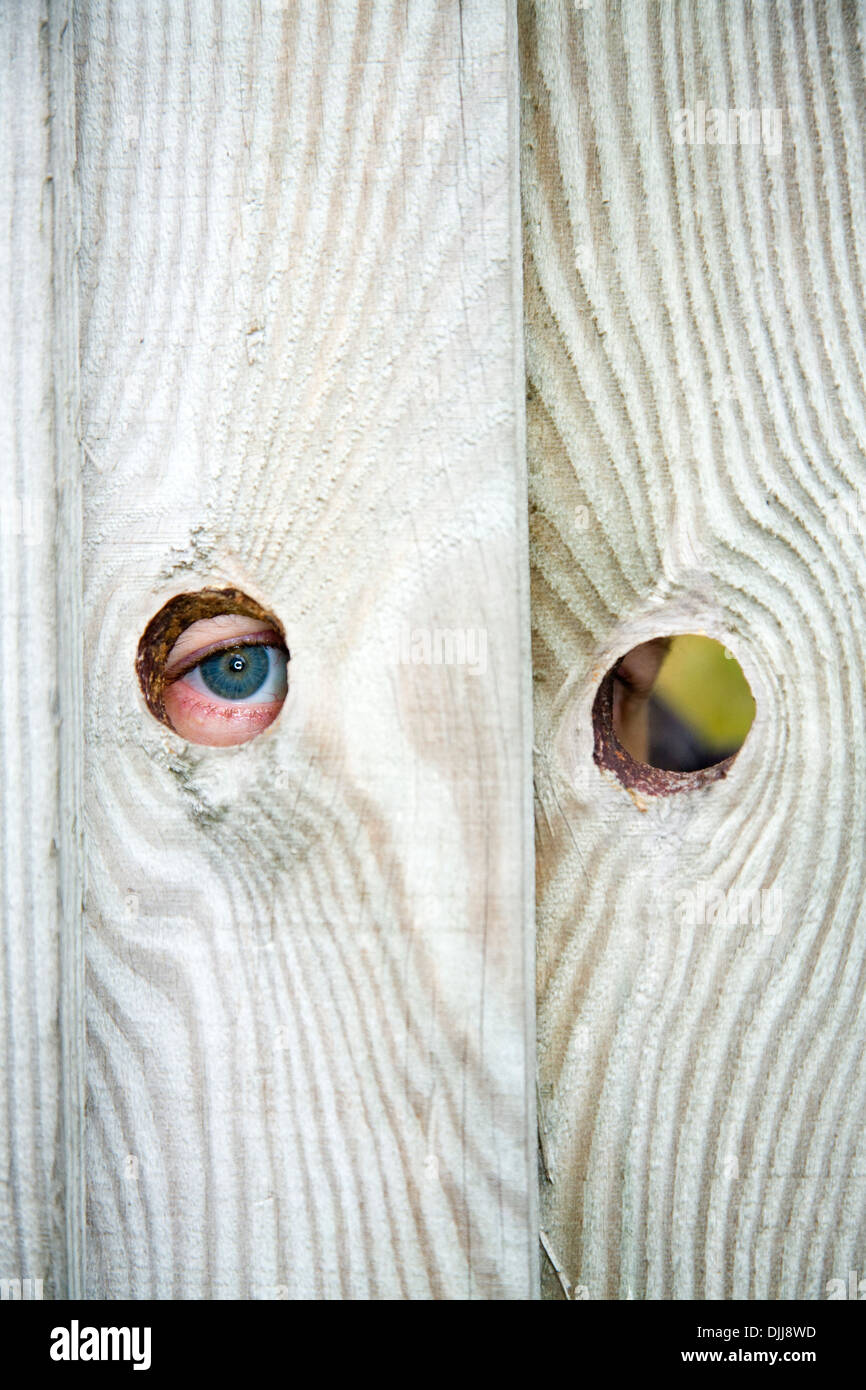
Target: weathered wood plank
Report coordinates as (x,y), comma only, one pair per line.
(41,1033)
(695,353)
(309,957)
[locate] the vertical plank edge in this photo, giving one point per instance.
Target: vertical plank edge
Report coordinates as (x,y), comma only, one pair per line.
(69,581)
(41,1023)
(526,691)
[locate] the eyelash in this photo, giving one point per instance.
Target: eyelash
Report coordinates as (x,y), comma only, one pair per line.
(270,688)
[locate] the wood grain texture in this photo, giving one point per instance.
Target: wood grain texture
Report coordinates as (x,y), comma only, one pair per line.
(41,1033)
(309,960)
(695,355)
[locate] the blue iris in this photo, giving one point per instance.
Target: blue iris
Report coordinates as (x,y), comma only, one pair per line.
(237,673)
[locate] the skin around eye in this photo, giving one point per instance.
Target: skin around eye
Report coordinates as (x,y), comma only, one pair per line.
(228,681)
(632,686)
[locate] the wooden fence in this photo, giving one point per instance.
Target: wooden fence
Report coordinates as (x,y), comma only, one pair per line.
(293,292)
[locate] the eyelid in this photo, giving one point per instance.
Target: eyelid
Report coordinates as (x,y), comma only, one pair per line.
(620,675)
(270,638)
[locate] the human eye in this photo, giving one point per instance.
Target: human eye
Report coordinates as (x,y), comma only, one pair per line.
(223,680)
(244,673)
(231,694)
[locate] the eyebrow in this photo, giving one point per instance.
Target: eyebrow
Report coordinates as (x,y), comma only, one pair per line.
(269,638)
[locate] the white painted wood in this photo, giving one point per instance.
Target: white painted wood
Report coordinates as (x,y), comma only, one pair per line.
(41,1056)
(695,353)
(309,958)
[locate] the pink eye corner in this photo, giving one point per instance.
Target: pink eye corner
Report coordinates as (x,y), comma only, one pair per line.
(213,667)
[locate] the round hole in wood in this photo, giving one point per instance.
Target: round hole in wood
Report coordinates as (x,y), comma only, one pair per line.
(671,714)
(213,666)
